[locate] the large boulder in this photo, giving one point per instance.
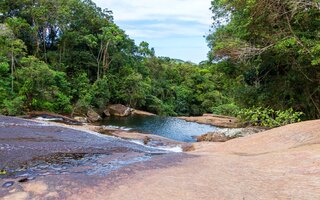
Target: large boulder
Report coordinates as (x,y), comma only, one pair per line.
(93,116)
(118,110)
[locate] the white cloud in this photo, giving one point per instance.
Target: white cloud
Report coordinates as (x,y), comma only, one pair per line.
(168,25)
(128,10)
(160,30)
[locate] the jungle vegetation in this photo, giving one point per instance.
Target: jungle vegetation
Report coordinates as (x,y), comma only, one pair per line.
(67,56)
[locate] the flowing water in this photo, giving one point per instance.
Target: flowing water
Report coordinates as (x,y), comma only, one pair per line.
(169,127)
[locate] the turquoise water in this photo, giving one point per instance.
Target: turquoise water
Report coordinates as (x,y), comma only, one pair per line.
(168,127)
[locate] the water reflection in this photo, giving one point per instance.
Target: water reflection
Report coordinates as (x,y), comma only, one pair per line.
(168,127)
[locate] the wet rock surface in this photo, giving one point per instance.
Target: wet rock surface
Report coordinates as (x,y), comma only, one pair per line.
(22,141)
(7,184)
(81,185)
(53,117)
(32,151)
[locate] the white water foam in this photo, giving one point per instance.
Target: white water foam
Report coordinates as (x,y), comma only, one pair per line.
(175,149)
(49,119)
(118,128)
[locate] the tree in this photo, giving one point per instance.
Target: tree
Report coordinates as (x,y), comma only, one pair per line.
(12,49)
(42,87)
(275,46)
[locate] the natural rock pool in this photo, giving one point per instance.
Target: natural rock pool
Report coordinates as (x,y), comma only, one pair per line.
(169,127)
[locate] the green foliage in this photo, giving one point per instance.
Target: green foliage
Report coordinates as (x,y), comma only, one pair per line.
(4,82)
(62,103)
(69,56)
(42,87)
(100,93)
(269,117)
(275,48)
(80,59)
(230,109)
(14,106)
(155,105)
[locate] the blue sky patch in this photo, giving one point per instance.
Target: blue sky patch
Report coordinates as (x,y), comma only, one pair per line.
(175,28)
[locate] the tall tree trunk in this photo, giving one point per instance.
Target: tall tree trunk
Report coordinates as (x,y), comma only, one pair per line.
(36,38)
(99,60)
(104,61)
(44,44)
(12,67)
(60,55)
(106,58)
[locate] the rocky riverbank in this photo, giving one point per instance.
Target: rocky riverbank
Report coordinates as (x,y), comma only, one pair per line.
(281,163)
(267,165)
(31,150)
(225,134)
(215,120)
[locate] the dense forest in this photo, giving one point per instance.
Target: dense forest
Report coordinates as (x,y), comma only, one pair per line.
(272,48)
(68,56)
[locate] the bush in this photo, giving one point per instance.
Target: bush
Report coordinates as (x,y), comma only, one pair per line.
(14,106)
(155,105)
(100,93)
(268,117)
(43,88)
(62,103)
(226,109)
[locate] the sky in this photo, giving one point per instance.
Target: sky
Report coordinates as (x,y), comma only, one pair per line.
(175,28)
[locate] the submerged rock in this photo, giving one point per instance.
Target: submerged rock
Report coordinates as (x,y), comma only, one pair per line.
(118,110)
